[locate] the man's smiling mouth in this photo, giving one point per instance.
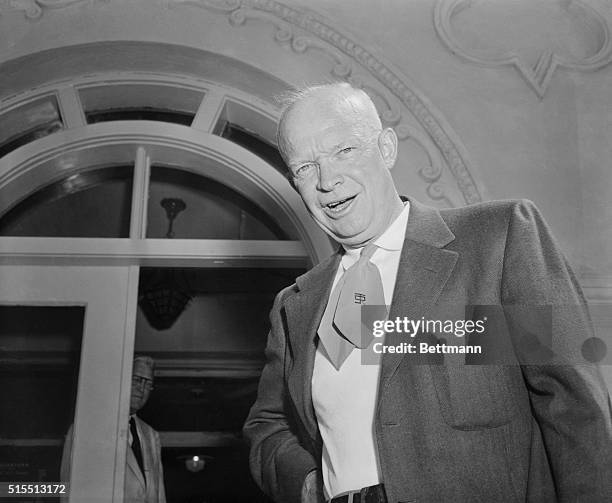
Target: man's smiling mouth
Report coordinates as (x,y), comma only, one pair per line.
(340,205)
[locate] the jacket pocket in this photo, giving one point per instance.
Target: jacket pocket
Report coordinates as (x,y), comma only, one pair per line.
(474,397)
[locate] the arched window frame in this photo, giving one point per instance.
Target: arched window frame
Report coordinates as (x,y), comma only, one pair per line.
(81,146)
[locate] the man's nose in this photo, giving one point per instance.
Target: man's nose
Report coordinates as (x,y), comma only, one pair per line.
(328,176)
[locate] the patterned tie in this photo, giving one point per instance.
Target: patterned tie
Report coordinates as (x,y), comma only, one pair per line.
(136,444)
(340,329)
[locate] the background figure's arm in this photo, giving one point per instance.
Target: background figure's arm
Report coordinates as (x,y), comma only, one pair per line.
(568,395)
(279,463)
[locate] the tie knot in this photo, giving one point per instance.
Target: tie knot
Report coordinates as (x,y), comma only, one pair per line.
(363,258)
(368,251)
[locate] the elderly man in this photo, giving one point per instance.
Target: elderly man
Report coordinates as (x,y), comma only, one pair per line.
(144,475)
(327,425)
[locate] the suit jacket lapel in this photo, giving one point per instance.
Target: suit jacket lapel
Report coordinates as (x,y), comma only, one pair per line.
(423,271)
(304,312)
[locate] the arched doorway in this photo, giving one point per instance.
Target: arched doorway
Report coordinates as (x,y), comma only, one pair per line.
(80,185)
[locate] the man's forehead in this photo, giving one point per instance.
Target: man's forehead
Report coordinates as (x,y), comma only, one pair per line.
(328,104)
(326,109)
(143,367)
(323,138)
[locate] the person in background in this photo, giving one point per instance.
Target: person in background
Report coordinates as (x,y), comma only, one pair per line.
(144,475)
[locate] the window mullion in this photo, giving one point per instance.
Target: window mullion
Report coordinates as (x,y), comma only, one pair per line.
(71,109)
(140,193)
(209,111)
(152,252)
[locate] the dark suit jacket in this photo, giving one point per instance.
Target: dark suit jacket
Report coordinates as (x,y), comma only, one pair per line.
(135,488)
(456,433)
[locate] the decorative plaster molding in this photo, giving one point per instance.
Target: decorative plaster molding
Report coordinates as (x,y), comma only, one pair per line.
(431,173)
(34,9)
(291,24)
(538,76)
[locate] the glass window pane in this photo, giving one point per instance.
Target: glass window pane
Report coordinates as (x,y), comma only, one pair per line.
(41,348)
(254,143)
(139,114)
(205,416)
(94,203)
(211,296)
(29,122)
(224,475)
(140,102)
(249,128)
(208,362)
(212,210)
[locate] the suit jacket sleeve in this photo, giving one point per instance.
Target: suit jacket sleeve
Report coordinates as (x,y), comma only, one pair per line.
(279,463)
(568,395)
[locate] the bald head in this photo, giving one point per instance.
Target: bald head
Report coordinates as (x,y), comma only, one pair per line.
(143,367)
(313,102)
(340,158)
(142,382)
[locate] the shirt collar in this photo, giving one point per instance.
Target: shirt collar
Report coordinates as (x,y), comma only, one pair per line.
(392,239)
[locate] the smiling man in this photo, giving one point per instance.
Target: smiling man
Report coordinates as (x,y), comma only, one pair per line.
(327,427)
(340,159)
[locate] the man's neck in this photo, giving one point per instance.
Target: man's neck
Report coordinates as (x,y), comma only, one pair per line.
(398,207)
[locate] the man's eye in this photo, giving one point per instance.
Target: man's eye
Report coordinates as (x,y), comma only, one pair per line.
(346,150)
(305,170)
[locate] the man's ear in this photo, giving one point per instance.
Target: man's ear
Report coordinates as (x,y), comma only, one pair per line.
(387,144)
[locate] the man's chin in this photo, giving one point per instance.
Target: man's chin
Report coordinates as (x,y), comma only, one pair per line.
(135,407)
(350,241)
(347,236)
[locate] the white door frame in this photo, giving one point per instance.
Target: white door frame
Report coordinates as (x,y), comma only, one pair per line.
(109,295)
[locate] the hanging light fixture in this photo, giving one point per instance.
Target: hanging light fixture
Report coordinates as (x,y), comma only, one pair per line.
(173,206)
(166,292)
(195,463)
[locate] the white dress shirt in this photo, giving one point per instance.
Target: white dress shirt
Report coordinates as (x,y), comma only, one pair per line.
(345,400)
